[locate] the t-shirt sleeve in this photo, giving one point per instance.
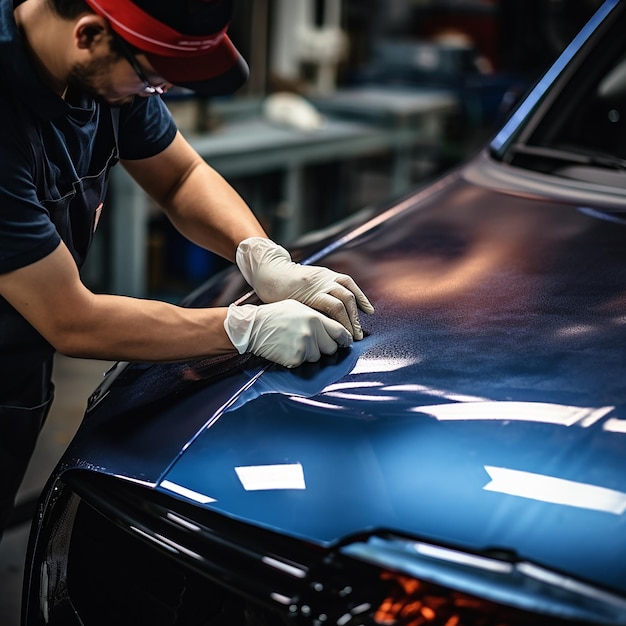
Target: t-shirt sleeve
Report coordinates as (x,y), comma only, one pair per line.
(26,232)
(146,128)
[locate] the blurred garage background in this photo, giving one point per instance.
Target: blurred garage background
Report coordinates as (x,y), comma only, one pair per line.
(350,104)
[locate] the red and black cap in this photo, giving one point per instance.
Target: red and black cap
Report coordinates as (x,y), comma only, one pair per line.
(184,40)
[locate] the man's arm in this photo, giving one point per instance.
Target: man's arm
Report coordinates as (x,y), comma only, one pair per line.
(205,208)
(77,322)
(197,200)
(50,295)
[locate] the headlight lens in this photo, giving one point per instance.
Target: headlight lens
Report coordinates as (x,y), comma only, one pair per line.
(110,551)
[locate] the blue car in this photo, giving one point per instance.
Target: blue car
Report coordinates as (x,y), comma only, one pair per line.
(463,465)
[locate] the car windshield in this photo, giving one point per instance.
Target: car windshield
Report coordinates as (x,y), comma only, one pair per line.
(579,130)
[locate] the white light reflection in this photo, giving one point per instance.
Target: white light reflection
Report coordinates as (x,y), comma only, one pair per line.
(336,391)
(341,386)
(167,543)
(439,393)
(183,522)
(615,425)
(292,570)
(269,477)
(368,366)
(187,493)
(517,411)
(344,619)
(360,396)
(570,584)
(316,403)
(555,490)
(361,608)
(154,539)
(279,597)
(135,481)
(453,556)
(577,329)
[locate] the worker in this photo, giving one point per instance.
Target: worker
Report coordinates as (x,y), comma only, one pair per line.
(81,85)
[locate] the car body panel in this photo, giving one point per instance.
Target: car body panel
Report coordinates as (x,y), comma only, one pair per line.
(484,409)
(146,416)
(483,412)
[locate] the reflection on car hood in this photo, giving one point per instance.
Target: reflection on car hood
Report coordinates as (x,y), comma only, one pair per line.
(483,410)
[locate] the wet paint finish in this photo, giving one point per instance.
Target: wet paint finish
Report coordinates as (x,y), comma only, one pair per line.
(485,408)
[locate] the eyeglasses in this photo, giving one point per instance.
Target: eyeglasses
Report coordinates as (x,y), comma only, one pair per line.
(148,88)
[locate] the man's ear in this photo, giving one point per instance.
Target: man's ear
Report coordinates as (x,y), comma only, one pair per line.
(90,30)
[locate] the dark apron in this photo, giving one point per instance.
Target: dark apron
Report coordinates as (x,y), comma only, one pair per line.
(24,407)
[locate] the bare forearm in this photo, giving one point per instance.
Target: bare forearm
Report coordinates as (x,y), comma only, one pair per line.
(128,329)
(77,322)
(221,221)
(197,199)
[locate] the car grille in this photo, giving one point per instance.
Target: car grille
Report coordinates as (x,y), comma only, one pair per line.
(114,552)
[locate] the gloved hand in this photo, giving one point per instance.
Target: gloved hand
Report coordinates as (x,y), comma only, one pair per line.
(269,270)
(286,332)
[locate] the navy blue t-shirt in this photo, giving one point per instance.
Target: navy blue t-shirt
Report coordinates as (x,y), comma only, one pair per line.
(50,151)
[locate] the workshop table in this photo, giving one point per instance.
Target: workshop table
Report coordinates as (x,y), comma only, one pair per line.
(249,145)
(255,147)
(415,116)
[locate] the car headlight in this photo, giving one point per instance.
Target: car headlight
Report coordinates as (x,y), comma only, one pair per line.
(451,587)
(113,552)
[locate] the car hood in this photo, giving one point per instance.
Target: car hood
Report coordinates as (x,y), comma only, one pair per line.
(484,410)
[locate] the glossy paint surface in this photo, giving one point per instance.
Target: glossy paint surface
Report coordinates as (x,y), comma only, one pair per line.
(485,408)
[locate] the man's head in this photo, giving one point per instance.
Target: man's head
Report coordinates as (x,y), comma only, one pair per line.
(184,41)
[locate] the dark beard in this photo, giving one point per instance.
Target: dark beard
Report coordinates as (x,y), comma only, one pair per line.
(84,79)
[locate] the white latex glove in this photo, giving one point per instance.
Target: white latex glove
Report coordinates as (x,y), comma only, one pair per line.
(269,270)
(286,332)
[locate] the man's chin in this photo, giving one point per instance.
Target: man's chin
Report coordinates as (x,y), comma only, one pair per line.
(83,78)
(119,102)
(114,102)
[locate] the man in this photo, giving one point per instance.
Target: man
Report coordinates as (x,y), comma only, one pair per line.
(78,85)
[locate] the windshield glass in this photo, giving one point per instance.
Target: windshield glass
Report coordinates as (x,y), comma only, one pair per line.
(580,130)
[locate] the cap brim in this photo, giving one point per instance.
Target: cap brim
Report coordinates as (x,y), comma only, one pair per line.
(219,71)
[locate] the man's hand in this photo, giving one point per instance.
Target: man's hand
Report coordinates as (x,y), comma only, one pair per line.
(287,332)
(268,268)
